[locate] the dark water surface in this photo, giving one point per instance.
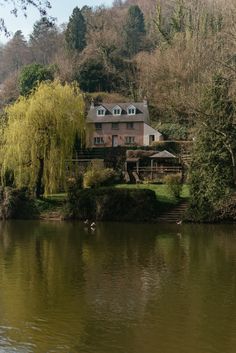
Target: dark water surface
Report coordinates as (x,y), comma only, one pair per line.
(123,289)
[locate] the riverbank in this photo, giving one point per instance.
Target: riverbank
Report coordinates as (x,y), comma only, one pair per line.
(52,207)
(128,203)
(123,202)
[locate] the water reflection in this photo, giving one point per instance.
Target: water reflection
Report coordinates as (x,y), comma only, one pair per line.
(124,288)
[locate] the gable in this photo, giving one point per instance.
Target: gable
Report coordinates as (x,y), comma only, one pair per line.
(117,110)
(101,111)
(131,110)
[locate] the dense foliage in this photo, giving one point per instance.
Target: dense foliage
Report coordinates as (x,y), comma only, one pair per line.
(40,136)
(33,74)
(75,34)
(96,177)
(174,184)
(213,163)
(16,204)
(110,204)
(134,31)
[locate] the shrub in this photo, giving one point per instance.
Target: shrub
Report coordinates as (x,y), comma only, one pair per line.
(76,182)
(110,204)
(173,182)
(96,177)
(171,146)
(173,131)
(225,209)
(17,204)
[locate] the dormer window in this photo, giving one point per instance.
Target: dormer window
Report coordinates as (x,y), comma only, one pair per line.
(101,111)
(131,110)
(116,110)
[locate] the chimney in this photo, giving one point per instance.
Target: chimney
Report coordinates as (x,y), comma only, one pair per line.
(145,102)
(92,104)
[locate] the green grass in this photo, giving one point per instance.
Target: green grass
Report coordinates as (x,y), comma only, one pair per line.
(56,197)
(55,202)
(161,191)
(50,203)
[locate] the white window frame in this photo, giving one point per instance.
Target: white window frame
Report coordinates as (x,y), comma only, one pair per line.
(98,140)
(129,140)
(116,110)
(131,110)
(101,111)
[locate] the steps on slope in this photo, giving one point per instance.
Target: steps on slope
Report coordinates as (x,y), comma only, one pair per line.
(175,214)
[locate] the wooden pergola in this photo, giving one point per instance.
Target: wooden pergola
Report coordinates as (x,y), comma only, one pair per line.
(132,160)
(164,156)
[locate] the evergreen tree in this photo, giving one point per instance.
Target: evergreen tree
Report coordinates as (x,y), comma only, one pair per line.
(75,34)
(93,76)
(212,171)
(44,41)
(134,30)
(31,75)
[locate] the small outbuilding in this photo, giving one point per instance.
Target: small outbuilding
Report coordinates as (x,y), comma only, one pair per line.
(165,162)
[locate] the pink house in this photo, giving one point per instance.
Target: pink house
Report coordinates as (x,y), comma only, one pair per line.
(120,124)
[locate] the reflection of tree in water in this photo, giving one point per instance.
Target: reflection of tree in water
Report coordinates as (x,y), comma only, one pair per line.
(124,277)
(41,282)
(126,283)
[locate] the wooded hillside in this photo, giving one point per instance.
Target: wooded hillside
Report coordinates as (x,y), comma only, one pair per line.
(167,50)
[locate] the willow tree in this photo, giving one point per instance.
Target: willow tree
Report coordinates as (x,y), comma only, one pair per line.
(40,135)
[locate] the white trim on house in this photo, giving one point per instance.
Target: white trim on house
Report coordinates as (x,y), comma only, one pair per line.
(101,111)
(116,110)
(131,110)
(150,134)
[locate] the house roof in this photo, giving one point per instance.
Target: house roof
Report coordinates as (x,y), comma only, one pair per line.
(142,114)
(163,154)
(132,159)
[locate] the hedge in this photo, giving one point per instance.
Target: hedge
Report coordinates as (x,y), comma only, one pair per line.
(110,204)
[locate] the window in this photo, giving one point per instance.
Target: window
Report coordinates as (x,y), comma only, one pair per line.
(115,126)
(98,141)
(130,126)
(132,111)
(151,139)
(101,112)
(98,126)
(129,140)
(117,111)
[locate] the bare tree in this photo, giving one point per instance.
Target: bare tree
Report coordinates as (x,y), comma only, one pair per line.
(21,6)
(15,54)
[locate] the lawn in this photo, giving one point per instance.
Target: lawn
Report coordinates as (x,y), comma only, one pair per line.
(50,202)
(55,202)
(161,191)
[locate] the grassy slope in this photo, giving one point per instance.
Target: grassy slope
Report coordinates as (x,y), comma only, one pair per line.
(161,191)
(52,205)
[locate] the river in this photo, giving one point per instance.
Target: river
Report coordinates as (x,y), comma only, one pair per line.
(124,288)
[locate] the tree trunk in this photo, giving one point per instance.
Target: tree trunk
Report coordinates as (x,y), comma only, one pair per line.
(233,164)
(39,186)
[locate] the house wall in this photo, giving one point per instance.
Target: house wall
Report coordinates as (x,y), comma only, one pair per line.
(148,130)
(107,132)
